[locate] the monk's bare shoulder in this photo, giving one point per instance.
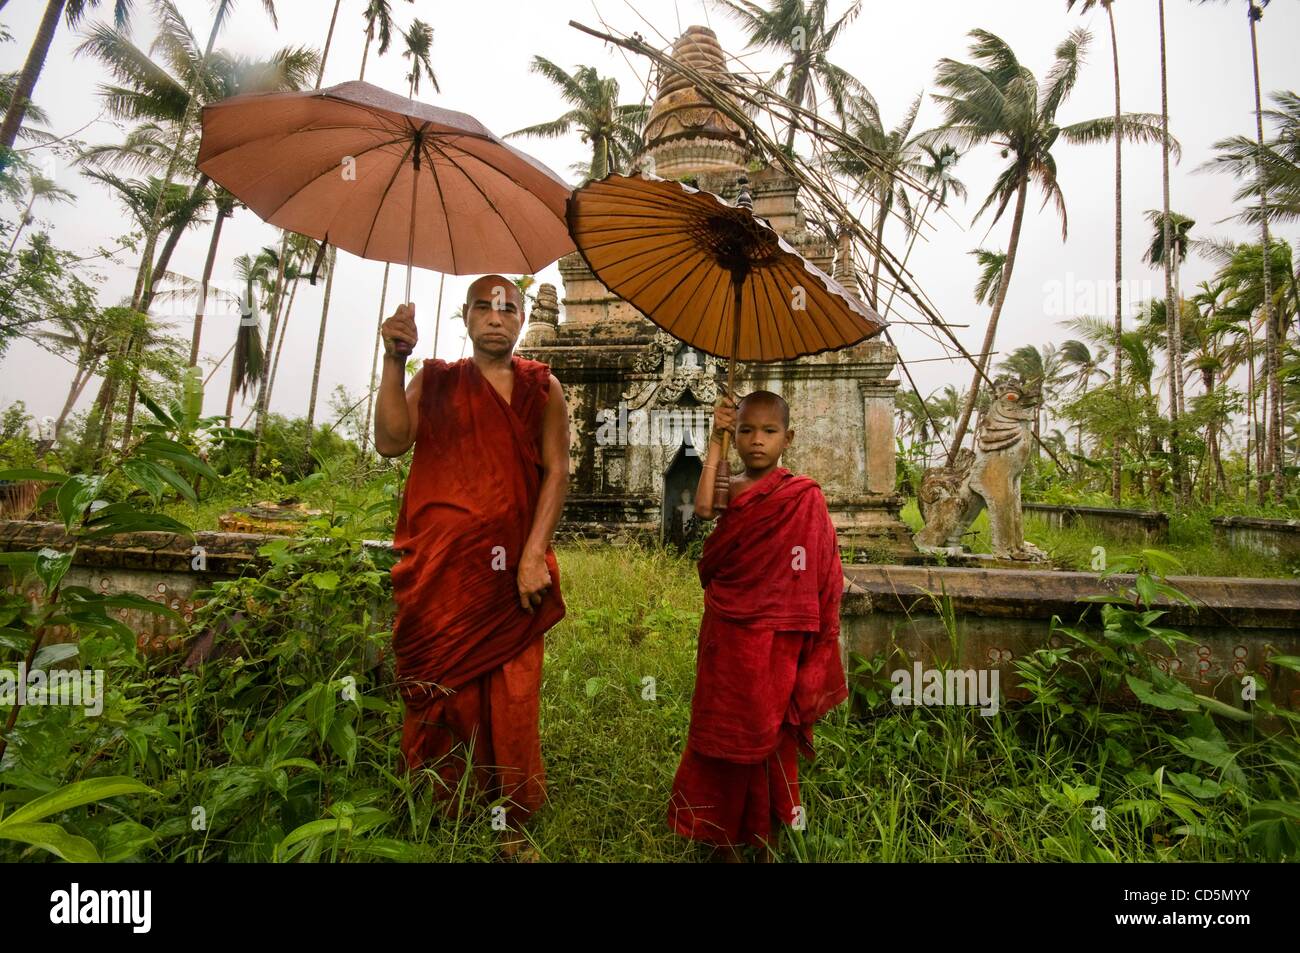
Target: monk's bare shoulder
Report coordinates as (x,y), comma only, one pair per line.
(554,392)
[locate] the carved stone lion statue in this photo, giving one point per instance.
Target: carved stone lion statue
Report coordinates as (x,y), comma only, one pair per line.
(952,497)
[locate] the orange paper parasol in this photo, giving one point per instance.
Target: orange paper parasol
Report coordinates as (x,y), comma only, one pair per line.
(712,274)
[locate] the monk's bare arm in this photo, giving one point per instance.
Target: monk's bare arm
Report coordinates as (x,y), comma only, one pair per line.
(397,412)
(534,577)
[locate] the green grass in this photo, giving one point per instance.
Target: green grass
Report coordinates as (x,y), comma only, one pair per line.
(1191,542)
(889,783)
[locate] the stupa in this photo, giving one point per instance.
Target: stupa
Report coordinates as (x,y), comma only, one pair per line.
(640,402)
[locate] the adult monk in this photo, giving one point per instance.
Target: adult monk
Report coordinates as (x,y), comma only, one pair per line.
(768,664)
(477,585)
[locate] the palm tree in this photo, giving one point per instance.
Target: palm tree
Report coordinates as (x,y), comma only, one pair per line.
(86,332)
(1242,267)
(249,362)
(419,50)
(997,100)
(936,173)
(894,155)
(39,189)
(1108,6)
(172,28)
(379,22)
(71,11)
(1085,363)
(1045,365)
(13,165)
(613,130)
(1170,230)
(173,24)
(1280,159)
(798,33)
(1272,345)
(158,89)
(1171,305)
(1210,322)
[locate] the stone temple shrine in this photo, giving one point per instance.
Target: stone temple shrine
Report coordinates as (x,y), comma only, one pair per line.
(640,402)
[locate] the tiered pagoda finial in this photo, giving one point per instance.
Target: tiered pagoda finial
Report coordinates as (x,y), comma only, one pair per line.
(685,133)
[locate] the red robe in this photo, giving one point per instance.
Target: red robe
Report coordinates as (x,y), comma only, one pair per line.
(768,665)
(468,655)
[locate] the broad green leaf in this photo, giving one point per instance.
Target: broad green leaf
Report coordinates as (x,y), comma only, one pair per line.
(1147,694)
(176,481)
(1217,707)
(51,565)
(53,838)
(155,409)
(75,795)
(50,654)
(142,474)
(312,829)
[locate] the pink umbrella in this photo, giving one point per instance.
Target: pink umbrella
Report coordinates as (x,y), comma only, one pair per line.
(387,178)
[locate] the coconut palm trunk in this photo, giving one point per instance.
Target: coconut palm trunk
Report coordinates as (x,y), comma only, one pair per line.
(145,274)
(208,265)
(329,277)
(32,67)
(1116,486)
(1271,344)
(263,389)
(1173,324)
(990,334)
(320,351)
(22,222)
(374,363)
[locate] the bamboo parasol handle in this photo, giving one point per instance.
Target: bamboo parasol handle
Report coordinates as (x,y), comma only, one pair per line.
(722,494)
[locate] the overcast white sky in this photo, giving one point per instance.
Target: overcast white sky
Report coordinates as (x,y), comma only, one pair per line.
(482,52)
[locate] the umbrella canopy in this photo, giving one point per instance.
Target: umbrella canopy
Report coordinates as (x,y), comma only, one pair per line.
(710,273)
(387,178)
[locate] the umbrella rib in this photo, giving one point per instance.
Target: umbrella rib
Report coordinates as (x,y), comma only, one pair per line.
(663,267)
(774,312)
(315,178)
(474,182)
(798,340)
(446,219)
(713,349)
(379,206)
(829,310)
(681,282)
(606,265)
(766,326)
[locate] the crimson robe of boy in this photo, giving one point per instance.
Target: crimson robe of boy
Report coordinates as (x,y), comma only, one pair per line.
(469,657)
(768,664)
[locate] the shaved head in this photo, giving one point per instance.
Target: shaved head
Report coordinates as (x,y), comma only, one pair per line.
(766,399)
(484,288)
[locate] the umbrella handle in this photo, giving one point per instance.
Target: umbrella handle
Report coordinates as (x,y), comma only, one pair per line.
(401,347)
(722,494)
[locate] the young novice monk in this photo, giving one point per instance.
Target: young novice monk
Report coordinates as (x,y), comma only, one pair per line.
(768,663)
